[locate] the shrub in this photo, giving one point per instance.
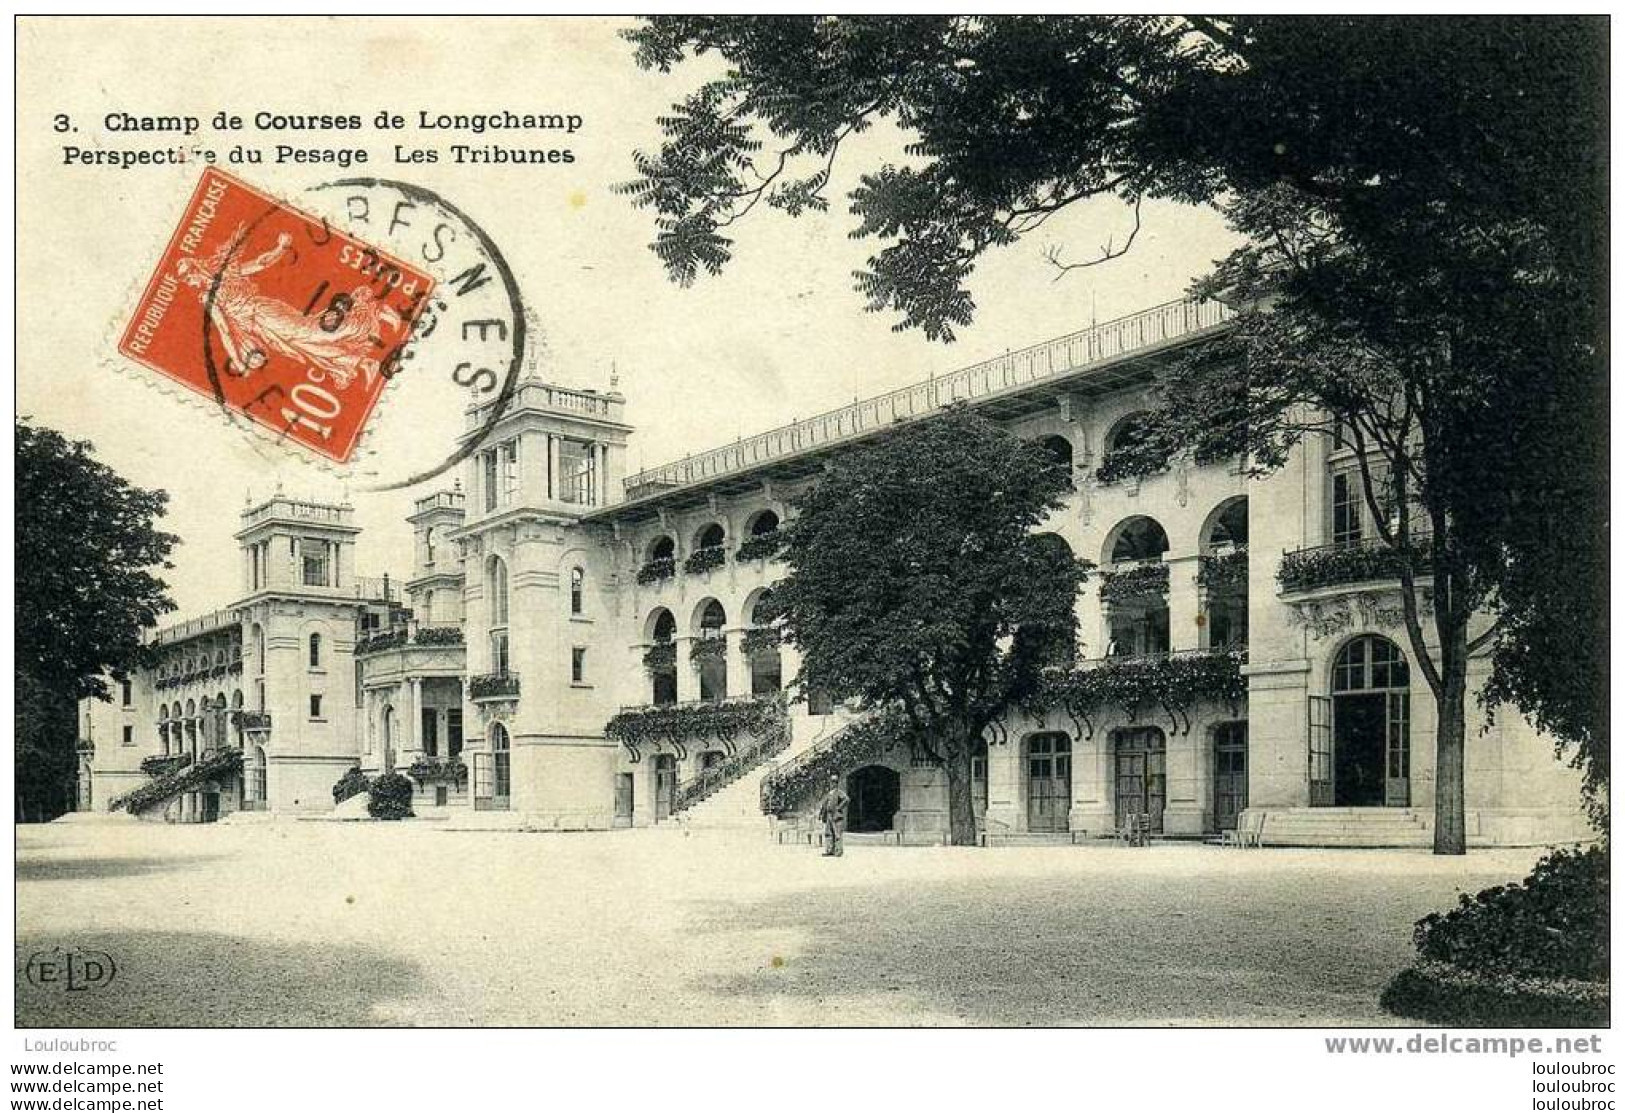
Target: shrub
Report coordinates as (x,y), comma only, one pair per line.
(353,783)
(1444,994)
(1531,954)
(1553,924)
(391,797)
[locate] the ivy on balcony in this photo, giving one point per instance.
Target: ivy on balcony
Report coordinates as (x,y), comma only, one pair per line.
(1223,572)
(496,685)
(660,657)
(439,635)
(760,639)
(251,720)
(661,568)
(212,766)
(703,560)
(714,648)
(428,770)
(1137,581)
(685,724)
(1331,565)
(762,546)
(1174,683)
(1128,463)
(377,643)
(160,765)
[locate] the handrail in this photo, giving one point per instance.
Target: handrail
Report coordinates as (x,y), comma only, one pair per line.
(1085,348)
(729,770)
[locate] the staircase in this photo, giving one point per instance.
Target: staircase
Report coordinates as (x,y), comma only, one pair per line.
(1369,827)
(736,804)
(210,767)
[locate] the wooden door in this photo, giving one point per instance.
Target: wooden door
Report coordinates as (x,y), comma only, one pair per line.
(665,785)
(1141,761)
(623,799)
(1049,782)
(1229,775)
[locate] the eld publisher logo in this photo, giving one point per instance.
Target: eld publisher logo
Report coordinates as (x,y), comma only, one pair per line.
(74,969)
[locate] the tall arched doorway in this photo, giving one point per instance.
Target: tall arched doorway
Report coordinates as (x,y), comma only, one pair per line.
(1371,725)
(493,778)
(875,792)
(1049,782)
(1141,758)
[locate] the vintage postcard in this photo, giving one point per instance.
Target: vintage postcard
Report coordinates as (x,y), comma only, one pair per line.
(1067,522)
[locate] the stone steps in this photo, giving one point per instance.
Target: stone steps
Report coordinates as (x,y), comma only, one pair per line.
(1348,827)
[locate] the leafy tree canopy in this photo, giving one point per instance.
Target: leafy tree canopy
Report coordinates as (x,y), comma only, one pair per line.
(917,582)
(87,555)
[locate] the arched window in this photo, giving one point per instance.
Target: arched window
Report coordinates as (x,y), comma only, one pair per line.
(1139,538)
(1370,664)
(764,523)
(663,548)
(578,590)
(315,651)
(710,537)
(663,627)
(428,546)
(712,618)
(1227,529)
(428,608)
(661,658)
(1060,452)
(710,650)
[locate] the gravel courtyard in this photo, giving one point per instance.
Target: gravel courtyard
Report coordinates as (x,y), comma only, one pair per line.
(322,923)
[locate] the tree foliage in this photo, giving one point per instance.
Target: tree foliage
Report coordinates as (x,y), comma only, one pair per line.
(88,589)
(917,584)
(1419,200)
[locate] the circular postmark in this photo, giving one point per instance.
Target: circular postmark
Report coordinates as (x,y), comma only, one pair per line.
(308,320)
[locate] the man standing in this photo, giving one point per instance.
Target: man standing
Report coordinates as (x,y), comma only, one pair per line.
(833,812)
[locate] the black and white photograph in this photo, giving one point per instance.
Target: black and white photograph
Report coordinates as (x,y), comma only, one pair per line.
(1093,523)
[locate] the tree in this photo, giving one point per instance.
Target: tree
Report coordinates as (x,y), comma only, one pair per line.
(916,583)
(87,593)
(1420,195)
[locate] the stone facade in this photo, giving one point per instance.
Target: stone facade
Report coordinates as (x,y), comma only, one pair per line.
(549,591)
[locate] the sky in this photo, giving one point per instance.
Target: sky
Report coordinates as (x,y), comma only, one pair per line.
(780,335)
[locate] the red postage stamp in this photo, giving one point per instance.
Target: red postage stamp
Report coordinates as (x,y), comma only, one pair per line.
(276,315)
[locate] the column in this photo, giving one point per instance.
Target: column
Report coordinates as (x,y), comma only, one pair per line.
(1184,605)
(602,471)
(553,487)
(412,743)
(738,665)
(1004,786)
(688,677)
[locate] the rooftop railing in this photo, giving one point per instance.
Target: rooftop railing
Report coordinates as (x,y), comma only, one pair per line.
(297,510)
(207,624)
(1077,351)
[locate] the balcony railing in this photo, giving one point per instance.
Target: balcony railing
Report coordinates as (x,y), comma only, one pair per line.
(1223,572)
(1053,359)
(1125,582)
(494,685)
(1350,562)
(251,720)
